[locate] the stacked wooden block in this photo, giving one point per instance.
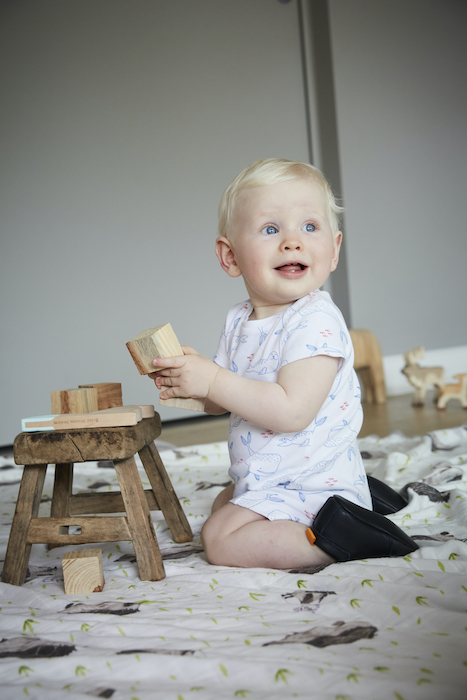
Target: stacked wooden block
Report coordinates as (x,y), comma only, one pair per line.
(88,406)
(87,398)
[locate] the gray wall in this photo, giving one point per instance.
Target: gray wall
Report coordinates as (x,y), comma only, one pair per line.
(121,124)
(400,82)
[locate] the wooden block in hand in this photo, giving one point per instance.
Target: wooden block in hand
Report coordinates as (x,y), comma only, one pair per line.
(82,400)
(190,404)
(82,572)
(160,341)
(109,394)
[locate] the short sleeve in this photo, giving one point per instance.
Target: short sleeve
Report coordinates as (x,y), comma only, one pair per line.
(224,348)
(316,329)
(220,358)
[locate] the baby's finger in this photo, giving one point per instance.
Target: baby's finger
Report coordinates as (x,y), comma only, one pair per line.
(169,393)
(164,373)
(169,373)
(164,362)
(187,350)
(165,381)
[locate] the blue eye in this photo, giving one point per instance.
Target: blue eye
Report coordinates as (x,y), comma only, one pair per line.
(309,228)
(268,230)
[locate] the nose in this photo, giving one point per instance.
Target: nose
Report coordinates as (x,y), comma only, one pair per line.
(291,241)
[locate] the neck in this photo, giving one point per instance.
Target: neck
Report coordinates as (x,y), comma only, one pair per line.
(265,311)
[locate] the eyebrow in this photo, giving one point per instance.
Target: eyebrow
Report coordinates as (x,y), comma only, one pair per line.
(271,215)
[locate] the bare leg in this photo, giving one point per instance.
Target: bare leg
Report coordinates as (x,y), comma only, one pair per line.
(223,497)
(236,536)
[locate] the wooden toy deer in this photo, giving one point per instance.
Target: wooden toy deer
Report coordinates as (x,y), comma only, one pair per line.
(454,391)
(422,377)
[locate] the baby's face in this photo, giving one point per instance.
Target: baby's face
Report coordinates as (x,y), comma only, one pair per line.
(283,243)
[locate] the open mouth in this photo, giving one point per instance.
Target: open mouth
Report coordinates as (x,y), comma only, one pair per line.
(292,267)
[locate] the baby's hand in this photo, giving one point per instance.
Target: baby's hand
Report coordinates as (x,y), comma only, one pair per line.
(185,376)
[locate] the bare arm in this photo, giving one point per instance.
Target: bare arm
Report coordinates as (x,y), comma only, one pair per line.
(288,405)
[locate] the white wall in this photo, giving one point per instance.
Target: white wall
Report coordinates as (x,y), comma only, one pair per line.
(122,123)
(400,82)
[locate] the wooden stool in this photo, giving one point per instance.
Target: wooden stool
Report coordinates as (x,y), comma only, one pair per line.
(369,364)
(65,447)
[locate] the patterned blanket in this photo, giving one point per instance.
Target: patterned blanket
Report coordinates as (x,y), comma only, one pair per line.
(392,629)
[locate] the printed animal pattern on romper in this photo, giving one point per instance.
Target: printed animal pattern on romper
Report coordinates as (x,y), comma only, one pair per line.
(289,476)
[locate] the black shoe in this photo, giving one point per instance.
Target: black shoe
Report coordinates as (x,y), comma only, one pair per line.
(385,499)
(346,531)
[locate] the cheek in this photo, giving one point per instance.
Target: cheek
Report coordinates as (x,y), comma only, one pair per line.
(323,251)
(252,258)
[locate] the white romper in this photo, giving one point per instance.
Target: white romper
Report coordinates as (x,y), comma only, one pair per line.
(289,476)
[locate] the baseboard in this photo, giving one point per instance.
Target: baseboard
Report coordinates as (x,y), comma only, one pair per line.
(454,361)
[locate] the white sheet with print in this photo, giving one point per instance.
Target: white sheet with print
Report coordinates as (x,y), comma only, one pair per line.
(392,629)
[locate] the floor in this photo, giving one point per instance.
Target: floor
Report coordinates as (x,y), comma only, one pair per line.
(379,419)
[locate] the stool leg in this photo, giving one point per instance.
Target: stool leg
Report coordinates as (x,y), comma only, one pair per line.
(368,385)
(27,507)
(148,556)
(165,494)
(63,484)
(377,375)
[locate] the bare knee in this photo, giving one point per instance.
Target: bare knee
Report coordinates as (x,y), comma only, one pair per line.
(222,534)
(218,530)
(210,537)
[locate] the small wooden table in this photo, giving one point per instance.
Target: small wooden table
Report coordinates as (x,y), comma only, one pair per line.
(65,447)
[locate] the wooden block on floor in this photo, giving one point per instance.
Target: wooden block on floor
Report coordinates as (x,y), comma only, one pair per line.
(109,394)
(82,572)
(160,341)
(83,400)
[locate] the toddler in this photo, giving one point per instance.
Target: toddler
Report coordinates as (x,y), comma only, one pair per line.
(283,369)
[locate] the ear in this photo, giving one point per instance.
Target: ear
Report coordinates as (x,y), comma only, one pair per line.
(226,257)
(336,249)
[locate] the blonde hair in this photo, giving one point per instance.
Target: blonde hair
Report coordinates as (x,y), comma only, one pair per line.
(269,172)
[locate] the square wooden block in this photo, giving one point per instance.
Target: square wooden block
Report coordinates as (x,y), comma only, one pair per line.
(83,400)
(82,572)
(160,341)
(109,394)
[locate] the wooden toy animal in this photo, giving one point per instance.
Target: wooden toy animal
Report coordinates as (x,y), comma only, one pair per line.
(454,391)
(422,377)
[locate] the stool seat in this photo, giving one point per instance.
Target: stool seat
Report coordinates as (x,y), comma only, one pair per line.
(63,448)
(86,444)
